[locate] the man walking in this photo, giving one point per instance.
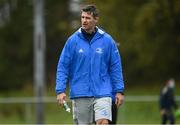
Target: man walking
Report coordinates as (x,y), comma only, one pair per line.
(90,60)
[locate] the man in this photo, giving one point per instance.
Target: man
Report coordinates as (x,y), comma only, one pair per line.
(167,102)
(91,62)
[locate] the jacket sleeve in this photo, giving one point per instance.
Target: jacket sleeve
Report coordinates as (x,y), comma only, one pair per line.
(116,69)
(63,68)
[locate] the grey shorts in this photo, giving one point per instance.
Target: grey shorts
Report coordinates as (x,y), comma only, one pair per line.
(88,110)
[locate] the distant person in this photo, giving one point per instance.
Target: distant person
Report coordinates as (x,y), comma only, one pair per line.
(91,62)
(167,102)
(115,108)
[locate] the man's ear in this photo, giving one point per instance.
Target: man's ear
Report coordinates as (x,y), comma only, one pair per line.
(96,19)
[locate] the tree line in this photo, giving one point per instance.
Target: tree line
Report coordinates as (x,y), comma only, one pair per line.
(147,33)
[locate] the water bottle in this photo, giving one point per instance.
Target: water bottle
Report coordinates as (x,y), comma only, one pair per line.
(66,106)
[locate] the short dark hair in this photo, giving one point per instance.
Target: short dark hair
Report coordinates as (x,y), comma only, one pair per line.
(91,9)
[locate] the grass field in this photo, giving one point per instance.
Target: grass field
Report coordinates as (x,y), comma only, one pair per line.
(129,112)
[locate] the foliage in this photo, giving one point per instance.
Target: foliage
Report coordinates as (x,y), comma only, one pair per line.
(16,48)
(147,32)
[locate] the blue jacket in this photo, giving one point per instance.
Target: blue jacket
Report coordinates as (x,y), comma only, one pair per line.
(91,68)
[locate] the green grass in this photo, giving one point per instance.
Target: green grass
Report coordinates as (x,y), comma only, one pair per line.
(129,112)
(140,113)
(53,114)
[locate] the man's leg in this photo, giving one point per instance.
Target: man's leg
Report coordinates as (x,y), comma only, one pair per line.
(164,119)
(114,114)
(102,109)
(102,122)
(83,111)
(171,118)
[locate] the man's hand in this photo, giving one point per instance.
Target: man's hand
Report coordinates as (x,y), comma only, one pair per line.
(119,99)
(60,98)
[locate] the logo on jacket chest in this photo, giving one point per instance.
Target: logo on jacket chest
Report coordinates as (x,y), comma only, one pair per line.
(99,50)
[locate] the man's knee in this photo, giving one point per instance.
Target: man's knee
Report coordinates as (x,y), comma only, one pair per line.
(102,122)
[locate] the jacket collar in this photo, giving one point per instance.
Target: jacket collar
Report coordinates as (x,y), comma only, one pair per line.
(98,34)
(100,31)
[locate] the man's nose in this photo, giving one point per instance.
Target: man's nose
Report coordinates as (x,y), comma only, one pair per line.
(84,20)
